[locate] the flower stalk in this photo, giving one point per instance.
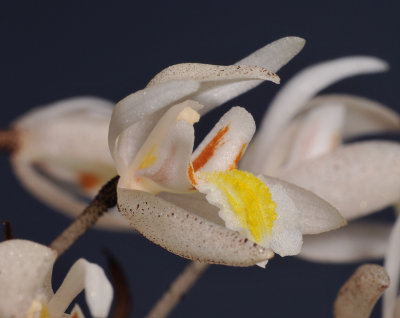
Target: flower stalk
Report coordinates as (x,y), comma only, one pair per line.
(105,199)
(177,290)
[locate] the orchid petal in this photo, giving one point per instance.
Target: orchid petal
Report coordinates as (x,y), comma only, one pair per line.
(369,171)
(47,132)
(57,197)
(51,161)
(210,73)
(82,106)
(363,116)
(134,117)
(316,215)
(272,57)
(319,134)
(357,242)
(88,276)
(286,236)
(279,152)
(392,266)
(187,234)
(25,269)
(225,144)
(295,94)
(163,161)
(359,294)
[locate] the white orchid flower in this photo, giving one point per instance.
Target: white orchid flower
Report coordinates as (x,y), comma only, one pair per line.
(25,284)
(198,205)
(300,141)
(240,220)
(62,155)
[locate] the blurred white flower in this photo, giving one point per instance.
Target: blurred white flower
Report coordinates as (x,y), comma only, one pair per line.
(62,154)
(162,185)
(25,283)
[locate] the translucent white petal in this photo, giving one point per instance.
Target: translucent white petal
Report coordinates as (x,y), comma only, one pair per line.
(392,266)
(272,57)
(170,171)
(163,161)
(56,196)
(225,144)
(316,215)
(207,72)
(68,140)
(134,117)
(295,94)
(286,237)
(319,134)
(357,179)
(363,116)
(89,107)
(186,234)
(278,153)
(64,157)
(25,268)
(88,276)
(357,242)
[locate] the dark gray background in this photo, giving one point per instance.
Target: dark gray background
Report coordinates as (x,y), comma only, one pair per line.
(55,50)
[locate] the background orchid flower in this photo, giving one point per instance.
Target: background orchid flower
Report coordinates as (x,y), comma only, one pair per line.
(160,176)
(62,155)
(25,283)
(300,141)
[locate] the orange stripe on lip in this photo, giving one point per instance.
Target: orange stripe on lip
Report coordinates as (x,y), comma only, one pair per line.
(191,175)
(209,150)
(238,157)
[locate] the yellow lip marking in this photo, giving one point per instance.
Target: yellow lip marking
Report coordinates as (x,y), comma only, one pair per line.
(249,198)
(149,159)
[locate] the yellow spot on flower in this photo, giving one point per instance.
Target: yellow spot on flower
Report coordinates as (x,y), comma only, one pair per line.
(37,309)
(149,160)
(249,198)
(44,313)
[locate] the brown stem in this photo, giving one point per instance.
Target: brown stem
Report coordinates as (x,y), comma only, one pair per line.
(8,233)
(9,140)
(105,199)
(359,294)
(177,290)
